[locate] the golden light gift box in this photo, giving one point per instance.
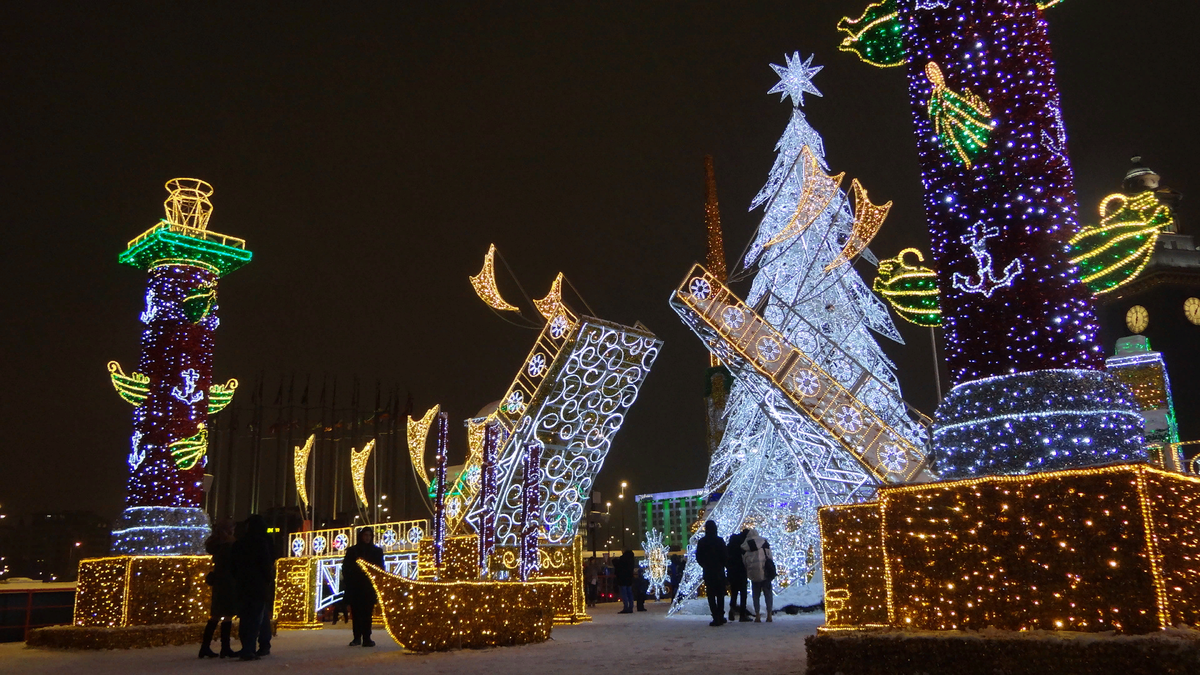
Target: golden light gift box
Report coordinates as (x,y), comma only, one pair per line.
(1105,549)
(442,615)
(142,590)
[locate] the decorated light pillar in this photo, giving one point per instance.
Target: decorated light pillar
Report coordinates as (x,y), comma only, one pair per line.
(172,389)
(1021,334)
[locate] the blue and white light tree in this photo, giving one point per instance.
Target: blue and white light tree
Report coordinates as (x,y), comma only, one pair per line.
(774,466)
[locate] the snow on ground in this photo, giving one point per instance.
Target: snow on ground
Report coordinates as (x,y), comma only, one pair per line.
(643,642)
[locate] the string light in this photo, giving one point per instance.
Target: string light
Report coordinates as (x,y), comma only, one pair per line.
(654,561)
(1116,251)
(486,523)
(552,304)
(187,452)
(985,281)
(358,470)
(868,218)
(529,564)
(439,501)
(300,468)
(1090,550)
(484,284)
(142,590)
(912,290)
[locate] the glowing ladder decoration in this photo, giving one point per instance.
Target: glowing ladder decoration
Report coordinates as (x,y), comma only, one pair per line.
(741,338)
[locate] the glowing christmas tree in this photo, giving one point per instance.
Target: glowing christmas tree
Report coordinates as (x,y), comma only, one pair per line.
(775,467)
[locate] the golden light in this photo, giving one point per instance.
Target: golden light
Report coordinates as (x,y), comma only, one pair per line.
(484,284)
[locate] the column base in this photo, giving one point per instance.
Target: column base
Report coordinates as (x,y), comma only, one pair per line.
(1044,420)
(161,530)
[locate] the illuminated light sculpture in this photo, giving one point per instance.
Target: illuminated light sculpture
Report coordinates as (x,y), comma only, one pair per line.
(1145,373)
(123,591)
(1088,550)
(436,616)
(358,470)
(912,290)
(875,36)
(1116,251)
(300,457)
(551,305)
(418,435)
(1001,207)
(172,390)
(655,562)
(815,415)
(484,284)
(868,218)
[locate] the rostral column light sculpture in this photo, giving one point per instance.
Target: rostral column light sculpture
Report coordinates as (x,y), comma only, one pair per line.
(172,389)
(1021,335)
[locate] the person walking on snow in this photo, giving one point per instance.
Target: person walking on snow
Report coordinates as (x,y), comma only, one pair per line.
(760,568)
(360,592)
(710,555)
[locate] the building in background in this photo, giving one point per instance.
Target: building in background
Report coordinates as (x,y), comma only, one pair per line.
(49,546)
(675,514)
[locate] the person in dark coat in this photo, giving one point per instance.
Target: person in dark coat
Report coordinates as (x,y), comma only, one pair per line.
(641,588)
(676,574)
(357,587)
(254,574)
(224,602)
(624,572)
(711,556)
(736,573)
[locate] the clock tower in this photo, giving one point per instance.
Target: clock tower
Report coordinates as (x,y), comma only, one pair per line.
(1161,302)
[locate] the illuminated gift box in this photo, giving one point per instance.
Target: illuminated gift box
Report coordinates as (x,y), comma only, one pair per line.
(1104,549)
(138,590)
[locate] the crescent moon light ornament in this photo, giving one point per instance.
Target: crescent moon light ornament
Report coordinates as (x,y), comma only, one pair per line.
(300,468)
(819,189)
(418,434)
(550,305)
(868,218)
(484,284)
(358,469)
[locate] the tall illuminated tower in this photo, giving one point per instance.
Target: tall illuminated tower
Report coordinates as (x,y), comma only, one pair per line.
(172,389)
(1021,334)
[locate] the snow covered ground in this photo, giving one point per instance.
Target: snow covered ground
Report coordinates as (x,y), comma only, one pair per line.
(646,642)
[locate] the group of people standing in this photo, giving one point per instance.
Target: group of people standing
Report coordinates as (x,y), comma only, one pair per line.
(744,560)
(243,585)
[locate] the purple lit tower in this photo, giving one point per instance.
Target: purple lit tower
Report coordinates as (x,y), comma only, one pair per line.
(172,389)
(1021,335)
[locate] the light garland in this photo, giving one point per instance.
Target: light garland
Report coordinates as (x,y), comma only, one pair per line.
(188,452)
(985,281)
(1091,550)
(1146,376)
(1116,251)
(439,501)
(358,470)
(912,290)
(868,218)
(529,565)
(484,284)
(300,468)
(486,523)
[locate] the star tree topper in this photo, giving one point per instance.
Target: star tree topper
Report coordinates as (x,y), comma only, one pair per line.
(795,79)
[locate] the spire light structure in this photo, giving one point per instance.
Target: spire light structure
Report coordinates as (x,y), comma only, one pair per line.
(172,390)
(815,416)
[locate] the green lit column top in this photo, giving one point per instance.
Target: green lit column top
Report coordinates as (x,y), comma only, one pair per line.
(183,238)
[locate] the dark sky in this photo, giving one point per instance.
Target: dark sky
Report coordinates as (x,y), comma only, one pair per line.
(369,154)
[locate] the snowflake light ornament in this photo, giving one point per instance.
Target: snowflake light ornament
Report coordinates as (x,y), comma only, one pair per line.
(795,79)
(655,563)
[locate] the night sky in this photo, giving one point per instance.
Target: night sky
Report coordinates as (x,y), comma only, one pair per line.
(370,154)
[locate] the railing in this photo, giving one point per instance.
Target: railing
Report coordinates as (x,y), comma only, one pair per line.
(23,609)
(195,233)
(391,537)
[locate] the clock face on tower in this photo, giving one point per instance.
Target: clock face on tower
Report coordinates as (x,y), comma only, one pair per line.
(1137,318)
(1191,309)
